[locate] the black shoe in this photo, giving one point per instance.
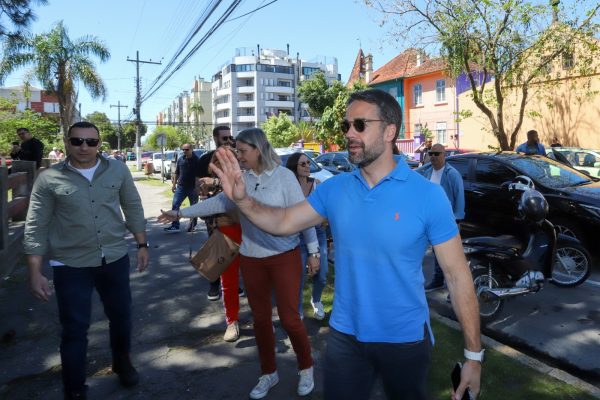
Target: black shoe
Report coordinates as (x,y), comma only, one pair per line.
(214,293)
(435,284)
(128,376)
(241,292)
(192,228)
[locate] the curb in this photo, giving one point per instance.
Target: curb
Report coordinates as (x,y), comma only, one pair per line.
(525,359)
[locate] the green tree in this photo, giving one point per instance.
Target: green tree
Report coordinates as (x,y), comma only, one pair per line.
(505,47)
(108,131)
(176,137)
(196,109)
(280,130)
(59,64)
(318,94)
(128,136)
(43,127)
(17,13)
(328,127)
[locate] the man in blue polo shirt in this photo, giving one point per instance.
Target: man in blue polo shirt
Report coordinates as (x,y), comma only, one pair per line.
(380,318)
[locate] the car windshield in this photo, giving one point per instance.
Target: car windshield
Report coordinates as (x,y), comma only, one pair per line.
(548,172)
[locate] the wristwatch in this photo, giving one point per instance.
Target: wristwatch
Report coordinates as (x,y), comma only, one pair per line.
(475,355)
(315,255)
(143,245)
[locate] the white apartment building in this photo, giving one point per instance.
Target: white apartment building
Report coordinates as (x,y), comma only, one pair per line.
(181,110)
(249,89)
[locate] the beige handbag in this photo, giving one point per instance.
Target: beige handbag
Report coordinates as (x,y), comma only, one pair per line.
(215,255)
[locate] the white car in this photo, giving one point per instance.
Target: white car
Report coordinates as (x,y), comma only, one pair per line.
(316,171)
(160,163)
(585,160)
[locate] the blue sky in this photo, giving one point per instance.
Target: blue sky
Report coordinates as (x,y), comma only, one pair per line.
(332,28)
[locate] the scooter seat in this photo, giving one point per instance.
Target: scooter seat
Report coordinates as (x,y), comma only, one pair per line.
(506,241)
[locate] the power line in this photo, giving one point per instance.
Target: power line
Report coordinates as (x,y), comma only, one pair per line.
(216,25)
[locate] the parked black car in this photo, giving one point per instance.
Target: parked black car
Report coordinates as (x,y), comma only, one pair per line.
(337,161)
(573,197)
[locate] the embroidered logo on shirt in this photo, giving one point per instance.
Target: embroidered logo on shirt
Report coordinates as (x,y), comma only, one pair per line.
(397,216)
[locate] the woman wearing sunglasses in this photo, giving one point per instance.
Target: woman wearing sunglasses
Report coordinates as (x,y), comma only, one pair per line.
(269,263)
(299,164)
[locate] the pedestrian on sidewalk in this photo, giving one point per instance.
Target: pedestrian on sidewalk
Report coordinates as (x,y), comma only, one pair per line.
(184,185)
(221,137)
(380,319)
(75,217)
(228,224)
(451,181)
(269,263)
(299,164)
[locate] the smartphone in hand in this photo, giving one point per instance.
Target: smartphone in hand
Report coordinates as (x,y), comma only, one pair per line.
(455,376)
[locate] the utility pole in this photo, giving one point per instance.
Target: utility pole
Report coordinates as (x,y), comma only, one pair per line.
(120,132)
(138,104)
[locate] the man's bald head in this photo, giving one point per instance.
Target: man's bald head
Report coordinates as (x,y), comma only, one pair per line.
(437,155)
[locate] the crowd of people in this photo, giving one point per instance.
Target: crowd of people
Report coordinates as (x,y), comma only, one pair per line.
(279,215)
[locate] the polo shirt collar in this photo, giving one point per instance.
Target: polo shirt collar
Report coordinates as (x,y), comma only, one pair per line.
(399,173)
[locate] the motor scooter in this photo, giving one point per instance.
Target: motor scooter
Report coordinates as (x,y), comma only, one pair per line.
(507,266)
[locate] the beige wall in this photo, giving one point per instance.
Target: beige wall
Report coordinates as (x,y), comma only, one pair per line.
(568,109)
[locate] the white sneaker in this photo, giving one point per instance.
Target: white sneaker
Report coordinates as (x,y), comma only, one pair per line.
(232,333)
(318,310)
(306,384)
(266,382)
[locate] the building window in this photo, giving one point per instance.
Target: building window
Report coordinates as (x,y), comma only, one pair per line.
(441,132)
(417,130)
(284,83)
(418,94)
(568,61)
(440,90)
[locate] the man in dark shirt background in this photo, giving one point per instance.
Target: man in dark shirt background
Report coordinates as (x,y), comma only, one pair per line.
(221,136)
(184,184)
(31,149)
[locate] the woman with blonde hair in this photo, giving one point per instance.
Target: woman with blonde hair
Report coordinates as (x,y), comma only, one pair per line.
(269,263)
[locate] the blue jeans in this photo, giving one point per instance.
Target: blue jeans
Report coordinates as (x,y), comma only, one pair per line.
(351,368)
(319,280)
(179,196)
(74,287)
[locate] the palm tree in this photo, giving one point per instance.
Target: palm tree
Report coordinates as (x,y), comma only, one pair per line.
(58,63)
(197,109)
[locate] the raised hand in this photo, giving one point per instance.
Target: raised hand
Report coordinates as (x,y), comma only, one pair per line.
(230,174)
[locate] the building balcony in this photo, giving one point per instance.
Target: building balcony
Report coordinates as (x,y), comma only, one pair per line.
(223,120)
(246,104)
(222,106)
(223,92)
(245,89)
(280,104)
(246,118)
(279,89)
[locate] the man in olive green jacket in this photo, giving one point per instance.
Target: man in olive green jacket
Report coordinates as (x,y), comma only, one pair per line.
(76,218)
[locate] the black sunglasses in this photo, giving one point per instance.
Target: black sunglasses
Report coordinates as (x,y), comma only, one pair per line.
(359,124)
(186,149)
(304,163)
(434,153)
(228,138)
(78,141)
